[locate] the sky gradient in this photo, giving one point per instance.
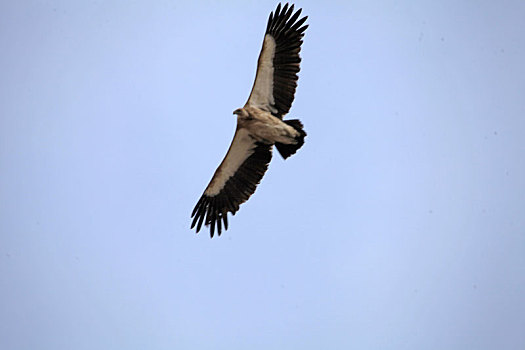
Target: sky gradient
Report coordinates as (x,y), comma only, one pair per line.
(399,225)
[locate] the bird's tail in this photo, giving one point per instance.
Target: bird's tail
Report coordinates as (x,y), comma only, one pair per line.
(287,150)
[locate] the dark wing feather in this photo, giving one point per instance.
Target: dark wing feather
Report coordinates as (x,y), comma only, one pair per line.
(234,181)
(278,65)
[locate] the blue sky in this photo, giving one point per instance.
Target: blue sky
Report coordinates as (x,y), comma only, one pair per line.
(399,225)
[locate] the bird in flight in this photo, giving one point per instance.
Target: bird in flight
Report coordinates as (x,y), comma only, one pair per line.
(260,123)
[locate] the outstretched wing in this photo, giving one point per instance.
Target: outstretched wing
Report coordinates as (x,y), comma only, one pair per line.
(278,65)
(233,183)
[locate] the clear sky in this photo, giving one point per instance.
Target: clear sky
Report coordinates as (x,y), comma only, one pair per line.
(399,225)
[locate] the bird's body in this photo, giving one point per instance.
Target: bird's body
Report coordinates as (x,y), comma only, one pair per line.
(260,123)
(266,128)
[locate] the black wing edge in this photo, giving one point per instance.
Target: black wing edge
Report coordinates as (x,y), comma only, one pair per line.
(288,32)
(213,210)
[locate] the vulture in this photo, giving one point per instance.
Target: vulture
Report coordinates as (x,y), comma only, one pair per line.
(260,123)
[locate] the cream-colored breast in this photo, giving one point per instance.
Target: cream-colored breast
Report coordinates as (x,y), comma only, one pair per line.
(264,127)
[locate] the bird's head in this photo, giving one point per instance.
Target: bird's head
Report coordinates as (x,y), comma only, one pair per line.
(241,112)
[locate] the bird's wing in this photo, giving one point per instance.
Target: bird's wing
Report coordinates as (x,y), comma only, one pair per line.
(278,65)
(233,183)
